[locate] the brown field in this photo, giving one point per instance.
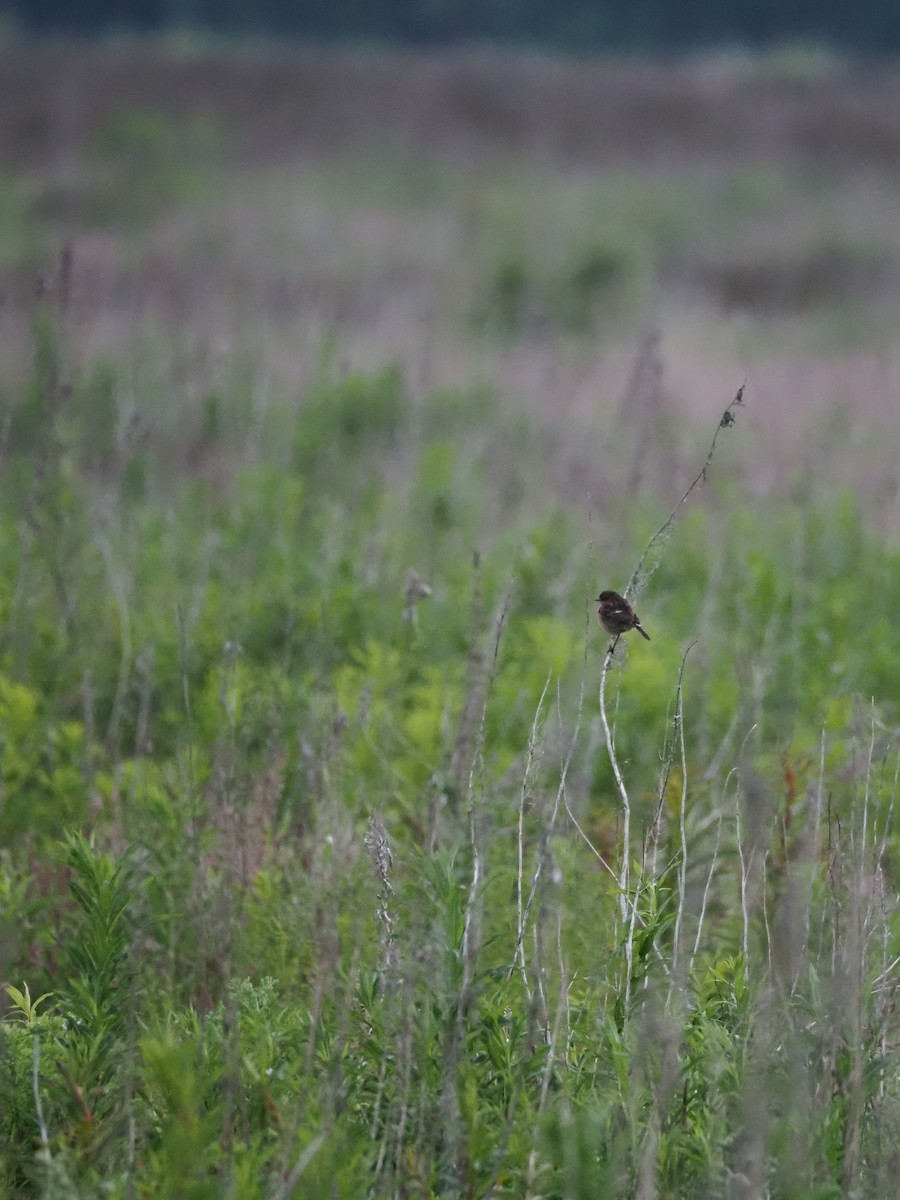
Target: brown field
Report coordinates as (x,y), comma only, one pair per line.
(514,222)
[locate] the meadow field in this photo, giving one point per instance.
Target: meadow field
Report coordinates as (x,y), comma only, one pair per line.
(338,857)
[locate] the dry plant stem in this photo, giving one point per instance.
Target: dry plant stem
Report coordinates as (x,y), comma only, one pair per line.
(623,881)
(867,792)
(562,1018)
(682,868)
(745,866)
(36,1089)
(563,992)
(855,965)
(834,866)
(540,971)
(880,840)
(631,903)
(654,834)
(817,825)
(520,911)
(647,1182)
(884,991)
(397,1127)
(623,793)
(879,846)
(286,1189)
(590,845)
(745,915)
(888,821)
(820,792)
(474,886)
(629,941)
(376,1113)
(709,879)
(727,420)
(765,912)
(552,1041)
(450,1110)
(189,764)
(547,833)
(717,759)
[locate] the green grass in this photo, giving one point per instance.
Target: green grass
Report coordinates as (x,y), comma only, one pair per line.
(312,887)
(312,871)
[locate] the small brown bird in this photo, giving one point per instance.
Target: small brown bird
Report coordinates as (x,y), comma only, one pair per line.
(617,616)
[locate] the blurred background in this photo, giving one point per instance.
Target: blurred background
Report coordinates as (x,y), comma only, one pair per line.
(493,195)
(465,287)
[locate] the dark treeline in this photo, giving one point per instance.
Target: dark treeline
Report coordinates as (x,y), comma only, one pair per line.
(868,25)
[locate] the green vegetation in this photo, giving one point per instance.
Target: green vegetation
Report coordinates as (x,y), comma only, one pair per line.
(331,912)
(315,781)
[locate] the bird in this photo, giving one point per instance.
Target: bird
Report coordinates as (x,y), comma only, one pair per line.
(617,616)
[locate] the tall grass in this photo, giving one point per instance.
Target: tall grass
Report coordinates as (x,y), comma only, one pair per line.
(338,856)
(335,879)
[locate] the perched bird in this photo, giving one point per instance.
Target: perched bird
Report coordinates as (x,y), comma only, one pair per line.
(617,616)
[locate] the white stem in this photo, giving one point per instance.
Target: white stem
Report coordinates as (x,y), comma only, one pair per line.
(623,793)
(709,879)
(36,1088)
(682,869)
(519,955)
